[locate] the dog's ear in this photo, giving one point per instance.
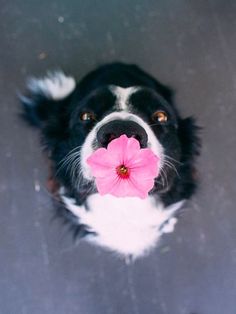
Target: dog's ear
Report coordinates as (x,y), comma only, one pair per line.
(47,106)
(46,98)
(189,138)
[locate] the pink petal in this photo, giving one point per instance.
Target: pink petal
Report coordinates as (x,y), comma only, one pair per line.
(142,186)
(101,163)
(123,188)
(125,148)
(106,184)
(145,164)
(118,187)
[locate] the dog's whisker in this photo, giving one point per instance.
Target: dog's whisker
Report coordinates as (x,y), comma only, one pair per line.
(172,159)
(70,152)
(73,151)
(77,177)
(164,177)
(67,159)
(74,168)
(162,180)
(171,166)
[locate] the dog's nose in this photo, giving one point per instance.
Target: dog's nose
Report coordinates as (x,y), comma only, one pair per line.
(116,128)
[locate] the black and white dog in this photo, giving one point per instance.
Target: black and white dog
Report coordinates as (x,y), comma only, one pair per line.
(114,99)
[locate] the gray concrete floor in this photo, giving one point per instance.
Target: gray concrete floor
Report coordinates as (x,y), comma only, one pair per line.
(191,46)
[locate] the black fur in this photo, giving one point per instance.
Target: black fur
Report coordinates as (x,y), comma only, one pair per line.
(62,129)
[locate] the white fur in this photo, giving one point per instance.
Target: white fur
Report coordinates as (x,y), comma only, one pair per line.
(123,95)
(127,226)
(55,85)
(87,148)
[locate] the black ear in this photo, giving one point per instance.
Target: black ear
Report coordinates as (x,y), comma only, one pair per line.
(36,108)
(45,97)
(47,106)
(189,139)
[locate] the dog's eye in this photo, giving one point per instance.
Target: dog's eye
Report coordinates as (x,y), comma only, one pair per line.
(87,116)
(160,116)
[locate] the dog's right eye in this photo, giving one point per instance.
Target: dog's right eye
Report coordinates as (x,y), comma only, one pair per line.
(87,116)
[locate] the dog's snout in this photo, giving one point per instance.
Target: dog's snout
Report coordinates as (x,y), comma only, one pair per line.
(116,128)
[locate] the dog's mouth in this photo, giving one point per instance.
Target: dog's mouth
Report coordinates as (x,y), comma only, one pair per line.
(124,168)
(111,128)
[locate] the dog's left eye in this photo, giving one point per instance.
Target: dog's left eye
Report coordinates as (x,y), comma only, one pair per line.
(87,116)
(160,116)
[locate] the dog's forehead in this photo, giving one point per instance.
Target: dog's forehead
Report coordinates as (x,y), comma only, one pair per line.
(135,97)
(123,95)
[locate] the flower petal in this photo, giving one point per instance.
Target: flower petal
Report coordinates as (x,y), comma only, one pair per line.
(107,184)
(125,148)
(123,188)
(142,186)
(145,164)
(101,163)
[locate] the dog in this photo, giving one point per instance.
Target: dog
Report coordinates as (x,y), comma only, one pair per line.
(75,119)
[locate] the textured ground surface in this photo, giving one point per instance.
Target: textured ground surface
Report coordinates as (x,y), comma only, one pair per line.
(187,44)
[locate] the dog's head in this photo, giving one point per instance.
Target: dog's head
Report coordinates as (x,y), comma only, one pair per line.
(89,116)
(138,112)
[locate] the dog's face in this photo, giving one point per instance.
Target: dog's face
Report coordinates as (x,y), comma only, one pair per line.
(106,113)
(77,119)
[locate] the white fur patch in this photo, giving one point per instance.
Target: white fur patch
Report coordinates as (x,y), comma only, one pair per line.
(127,226)
(55,85)
(123,95)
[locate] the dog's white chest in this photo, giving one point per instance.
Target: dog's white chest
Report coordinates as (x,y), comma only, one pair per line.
(129,226)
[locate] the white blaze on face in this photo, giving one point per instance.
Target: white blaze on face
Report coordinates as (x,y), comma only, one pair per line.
(122,103)
(122,96)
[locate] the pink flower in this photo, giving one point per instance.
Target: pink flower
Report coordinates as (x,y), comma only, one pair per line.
(123,169)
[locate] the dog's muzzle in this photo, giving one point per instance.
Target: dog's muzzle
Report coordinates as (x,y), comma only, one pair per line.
(116,128)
